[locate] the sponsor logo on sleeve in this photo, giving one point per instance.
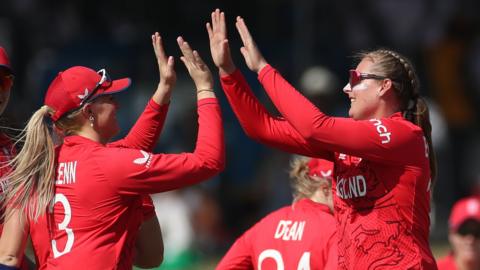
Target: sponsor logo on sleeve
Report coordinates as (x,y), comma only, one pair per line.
(144,160)
(382,130)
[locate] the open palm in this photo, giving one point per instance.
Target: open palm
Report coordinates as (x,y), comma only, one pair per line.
(219,47)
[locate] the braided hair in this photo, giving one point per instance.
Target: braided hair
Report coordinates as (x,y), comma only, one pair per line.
(406,86)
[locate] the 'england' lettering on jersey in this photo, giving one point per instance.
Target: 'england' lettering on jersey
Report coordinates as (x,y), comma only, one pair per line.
(290,230)
(66,173)
(382,130)
(351,187)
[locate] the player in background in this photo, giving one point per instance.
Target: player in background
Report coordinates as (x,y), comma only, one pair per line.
(143,135)
(383,153)
(464,236)
(8,150)
(299,236)
(98,190)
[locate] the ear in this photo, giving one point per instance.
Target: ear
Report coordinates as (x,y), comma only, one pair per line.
(87,110)
(385,87)
(325,188)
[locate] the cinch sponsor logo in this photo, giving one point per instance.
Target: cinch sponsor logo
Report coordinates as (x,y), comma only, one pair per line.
(351,187)
(66,173)
(382,130)
(290,230)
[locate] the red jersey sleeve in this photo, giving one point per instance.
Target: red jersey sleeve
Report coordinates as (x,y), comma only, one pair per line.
(239,256)
(144,134)
(382,140)
(259,124)
(133,171)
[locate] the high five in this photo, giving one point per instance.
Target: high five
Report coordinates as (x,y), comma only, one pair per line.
(383,154)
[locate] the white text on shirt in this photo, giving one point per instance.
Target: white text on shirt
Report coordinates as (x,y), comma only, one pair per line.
(289,230)
(66,173)
(351,187)
(382,130)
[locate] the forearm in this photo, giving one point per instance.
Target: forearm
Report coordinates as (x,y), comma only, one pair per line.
(302,114)
(149,244)
(257,122)
(144,134)
(13,240)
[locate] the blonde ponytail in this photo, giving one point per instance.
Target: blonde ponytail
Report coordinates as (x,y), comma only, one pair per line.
(30,184)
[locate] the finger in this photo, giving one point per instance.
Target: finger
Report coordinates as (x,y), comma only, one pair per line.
(197,57)
(170,62)
(187,63)
(185,48)
(244,52)
(241,29)
(226,46)
(214,22)
(209,31)
(217,16)
(159,47)
(223,25)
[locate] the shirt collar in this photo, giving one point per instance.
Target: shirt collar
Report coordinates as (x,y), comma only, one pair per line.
(307,203)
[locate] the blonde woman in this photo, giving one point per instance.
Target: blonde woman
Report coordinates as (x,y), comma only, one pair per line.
(96,190)
(299,236)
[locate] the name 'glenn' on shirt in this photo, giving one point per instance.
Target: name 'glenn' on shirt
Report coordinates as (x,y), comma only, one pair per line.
(66,173)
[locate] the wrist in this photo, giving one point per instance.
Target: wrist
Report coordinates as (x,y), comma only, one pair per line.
(226,70)
(205,93)
(261,66)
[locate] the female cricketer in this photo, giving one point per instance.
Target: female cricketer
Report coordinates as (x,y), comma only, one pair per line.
(96,191)
(382,154)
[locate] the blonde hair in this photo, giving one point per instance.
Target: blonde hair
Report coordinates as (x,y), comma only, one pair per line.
(30,183)
(302,184)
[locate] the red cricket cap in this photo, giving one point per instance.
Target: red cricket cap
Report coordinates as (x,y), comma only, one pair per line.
(4,61)
(464,209)
(69,89)
(320,168)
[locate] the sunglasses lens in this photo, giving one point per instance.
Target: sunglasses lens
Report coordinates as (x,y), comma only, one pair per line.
(470,228)
(354,77)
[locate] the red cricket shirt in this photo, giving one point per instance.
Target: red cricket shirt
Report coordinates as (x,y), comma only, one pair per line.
(99,190)
(381,168)
(300,236)
(447,263)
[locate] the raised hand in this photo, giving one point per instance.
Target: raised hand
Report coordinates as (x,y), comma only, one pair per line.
(198,70)
(253,57)
(168,76)
(219,47)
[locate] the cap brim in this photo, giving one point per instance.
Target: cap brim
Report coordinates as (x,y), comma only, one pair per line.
(455,225)
(117,86)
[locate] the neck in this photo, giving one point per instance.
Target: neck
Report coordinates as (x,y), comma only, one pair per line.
(467,264)
(319,197)
(91,134)
(385,109)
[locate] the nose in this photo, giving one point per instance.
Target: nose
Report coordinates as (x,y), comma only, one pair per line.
(347,88)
